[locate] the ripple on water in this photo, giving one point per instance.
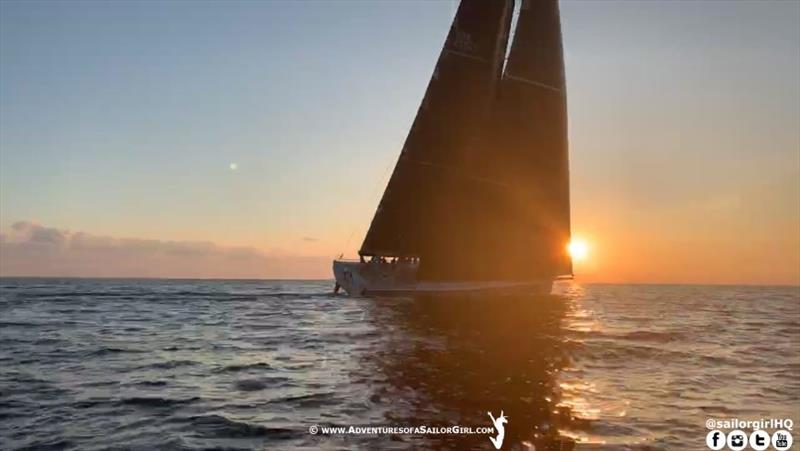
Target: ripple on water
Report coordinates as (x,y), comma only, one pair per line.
(124,364)
(237,367)
(218,426)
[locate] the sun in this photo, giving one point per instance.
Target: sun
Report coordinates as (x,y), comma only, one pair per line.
(578,249)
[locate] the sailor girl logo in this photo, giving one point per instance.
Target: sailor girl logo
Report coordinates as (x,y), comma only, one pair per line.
(500,425)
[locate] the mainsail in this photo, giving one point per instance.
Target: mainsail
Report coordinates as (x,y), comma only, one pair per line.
(481,190)
(407,220)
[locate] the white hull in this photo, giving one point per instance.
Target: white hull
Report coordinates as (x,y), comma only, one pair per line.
(371,279)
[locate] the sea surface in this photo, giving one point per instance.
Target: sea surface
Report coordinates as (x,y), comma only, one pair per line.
(187,364)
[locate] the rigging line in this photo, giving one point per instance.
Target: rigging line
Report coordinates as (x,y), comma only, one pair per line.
(375,190)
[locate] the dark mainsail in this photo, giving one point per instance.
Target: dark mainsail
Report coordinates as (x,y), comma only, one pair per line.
(481,190)
(408,219)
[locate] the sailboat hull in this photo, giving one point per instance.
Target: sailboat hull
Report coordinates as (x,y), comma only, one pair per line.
(386,279)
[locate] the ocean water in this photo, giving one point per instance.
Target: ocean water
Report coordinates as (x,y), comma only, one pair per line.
(157,364)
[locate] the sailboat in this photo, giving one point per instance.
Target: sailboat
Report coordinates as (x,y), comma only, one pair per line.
(479,197)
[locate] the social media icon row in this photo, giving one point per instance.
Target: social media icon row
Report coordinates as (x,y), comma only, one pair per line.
(759,440)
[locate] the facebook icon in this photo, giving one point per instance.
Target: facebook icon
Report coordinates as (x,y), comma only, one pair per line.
(715,439)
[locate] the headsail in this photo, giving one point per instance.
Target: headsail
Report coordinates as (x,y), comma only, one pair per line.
(532,130)
(407,222)
(533,114)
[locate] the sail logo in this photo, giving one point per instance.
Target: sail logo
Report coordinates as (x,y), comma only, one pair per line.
(500,426)
(463,42)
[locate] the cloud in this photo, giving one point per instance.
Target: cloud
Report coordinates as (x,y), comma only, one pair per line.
(31,249)
(309,239)
(39,234)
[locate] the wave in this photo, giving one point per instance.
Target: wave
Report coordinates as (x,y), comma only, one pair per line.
(18,324)
(157,401)
(42,445)
(157,383)
(170,364)
(260,384)
(312,400)
(658,337)
(56,295)
(110,351)
(242,367)
(217,426)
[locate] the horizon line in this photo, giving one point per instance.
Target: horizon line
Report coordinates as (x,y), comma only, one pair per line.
(300,279)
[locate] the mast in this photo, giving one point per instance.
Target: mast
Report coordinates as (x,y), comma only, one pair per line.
(410,217)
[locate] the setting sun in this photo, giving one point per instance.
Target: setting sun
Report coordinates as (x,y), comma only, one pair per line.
(578,249)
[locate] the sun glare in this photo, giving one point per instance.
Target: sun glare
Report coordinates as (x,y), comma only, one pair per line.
(578,249)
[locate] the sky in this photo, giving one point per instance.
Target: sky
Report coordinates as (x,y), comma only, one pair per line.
(254,138)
